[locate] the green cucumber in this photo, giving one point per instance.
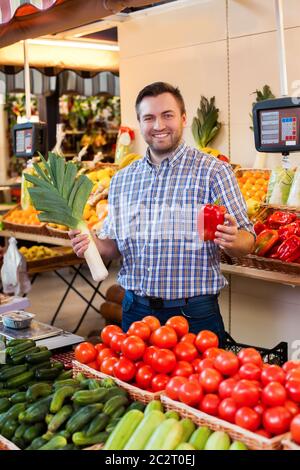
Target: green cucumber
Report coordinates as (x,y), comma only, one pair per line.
(38,390)
(37,443)
(62,383)
(8,392)
(124,430)
(119,412)
(20,430)
(167,436)
(47,374)
(34,431)
(38,357)
(154,405)
(218,440)
(80,439)
(65,374)
(15,341)
(5,404)
(83,416)
(144,431)
(42,365)
(19,397)
(87,397)
(98,423)
(55,443)
(94,384)
(12,372)
(17,349)
(111,406)
(172,414)
(188,428)
(238,445)
(15,410)
(136,405)
(60,417)
(21,357)
(37,411)
(59,397)
(9,428)
(199,437)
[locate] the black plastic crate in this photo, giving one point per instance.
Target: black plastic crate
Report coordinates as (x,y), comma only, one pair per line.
(277,355)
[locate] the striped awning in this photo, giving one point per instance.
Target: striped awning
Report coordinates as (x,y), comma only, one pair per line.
(18,8)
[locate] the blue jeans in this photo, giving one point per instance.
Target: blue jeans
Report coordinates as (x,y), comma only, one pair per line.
(202,314)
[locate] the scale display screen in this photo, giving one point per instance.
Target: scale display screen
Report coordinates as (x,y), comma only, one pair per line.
(277,125)
(24,141)
(29,138)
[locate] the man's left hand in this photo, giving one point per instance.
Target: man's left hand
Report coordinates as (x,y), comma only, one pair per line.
(227,234)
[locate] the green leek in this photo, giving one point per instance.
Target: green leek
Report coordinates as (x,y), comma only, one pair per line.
(60,196)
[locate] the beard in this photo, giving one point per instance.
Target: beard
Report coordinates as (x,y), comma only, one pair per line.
(167,147)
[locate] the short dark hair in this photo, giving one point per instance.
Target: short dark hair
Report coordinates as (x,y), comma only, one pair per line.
(156,89)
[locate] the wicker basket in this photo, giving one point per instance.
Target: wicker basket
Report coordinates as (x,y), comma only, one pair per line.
(134,392)
(253,441)
(55,232)
(5,444)
(288,444)
(258,262)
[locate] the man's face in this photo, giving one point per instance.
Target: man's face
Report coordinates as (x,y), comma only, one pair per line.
(161,123)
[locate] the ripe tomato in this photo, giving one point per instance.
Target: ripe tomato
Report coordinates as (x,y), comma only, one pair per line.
(227,409)
(211,353)
(100,346)
(194,378)
(159,382)
(260,408)
(227,363)
(180,325)
(290,365)
(147,357)
(163,361)
(264,433)
(210,404)
(273,373)
(144,376)
(104,354)
(190,393)
(210,380)
(250,371)
(295,429)
(226,387)
(93,365)
(250,355)
(117,341)
(107,333)
(185,352)
(247,418)
(245,393)
(183,369)
(164,337)
(107,365)
(273,394)
(141,329)
(293,389)
(188,338)
(292,407)
(124,369)
(206,339)
(203,364)
(85,352)
(152,322)
(277,420)
(173,386)
(293,374)
(196,364)
(133,347)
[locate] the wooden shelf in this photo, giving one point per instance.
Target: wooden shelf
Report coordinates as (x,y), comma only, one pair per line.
(261,274)
(36,238)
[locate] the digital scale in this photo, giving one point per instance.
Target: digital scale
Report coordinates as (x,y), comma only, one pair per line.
(30,138)
(276,125)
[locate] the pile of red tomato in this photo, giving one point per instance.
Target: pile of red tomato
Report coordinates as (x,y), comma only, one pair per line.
(241,389)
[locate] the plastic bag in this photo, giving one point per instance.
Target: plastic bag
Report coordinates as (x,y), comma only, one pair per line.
(294,196)
(279,185)
(14,275)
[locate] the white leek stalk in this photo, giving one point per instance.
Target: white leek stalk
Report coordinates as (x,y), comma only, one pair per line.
(92,256)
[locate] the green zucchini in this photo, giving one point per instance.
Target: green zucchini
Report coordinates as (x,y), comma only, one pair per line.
(20,379)
(60,417)
(17,349)
(38,357)
(38,390)
(47,374)
(185,446)
(98,423)
(136,405)
(42,365)
(188,428)
(199,437)
(154,405)
(144,431)
(59,396)
(167,436)
(20,358)
(83,416)
(124,430)
(81,440)
(172,414)
(12,372)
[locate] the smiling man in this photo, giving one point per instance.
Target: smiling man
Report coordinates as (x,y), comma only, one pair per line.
(152,221)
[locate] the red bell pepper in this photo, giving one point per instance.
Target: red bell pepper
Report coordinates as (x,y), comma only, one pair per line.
(264,242)
(209,217)
(289,250)
(279,218)
(259,227)
(287,231)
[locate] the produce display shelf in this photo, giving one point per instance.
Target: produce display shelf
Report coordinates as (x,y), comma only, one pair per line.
(36,238)
(253,441)
(263,275)
(288,444)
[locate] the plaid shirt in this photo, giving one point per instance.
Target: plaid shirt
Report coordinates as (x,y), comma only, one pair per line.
(153,219)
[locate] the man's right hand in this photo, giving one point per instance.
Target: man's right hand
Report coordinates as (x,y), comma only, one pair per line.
(79,242)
